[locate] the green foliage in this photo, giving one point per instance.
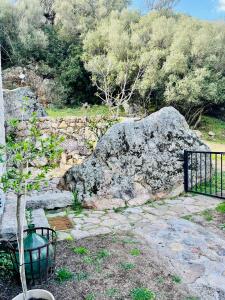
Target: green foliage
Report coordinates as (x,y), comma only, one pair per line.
(6,265)
(221,208)
(176,279)
(64,274)
(81,276)
(93,111)
(135,252)
(158,62)
(75,79)
(21,153)
(90,296)
(102,254)
(222,226)
(76,206)
(207,214)
(207,124)
(127,266)
(80,250)
(142,294)
(112,293)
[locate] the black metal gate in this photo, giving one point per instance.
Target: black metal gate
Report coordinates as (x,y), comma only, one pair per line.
(204,173)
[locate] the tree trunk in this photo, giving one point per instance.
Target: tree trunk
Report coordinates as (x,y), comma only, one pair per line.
(20,213)
(2,115)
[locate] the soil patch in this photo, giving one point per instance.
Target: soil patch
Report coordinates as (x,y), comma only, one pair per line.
(104,268)
(60,223)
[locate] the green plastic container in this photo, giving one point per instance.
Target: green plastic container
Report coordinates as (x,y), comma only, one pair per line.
(37,262)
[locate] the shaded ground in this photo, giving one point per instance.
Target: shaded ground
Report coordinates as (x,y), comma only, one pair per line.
(107,267)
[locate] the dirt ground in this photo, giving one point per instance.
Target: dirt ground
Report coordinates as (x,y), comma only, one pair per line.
(107,267)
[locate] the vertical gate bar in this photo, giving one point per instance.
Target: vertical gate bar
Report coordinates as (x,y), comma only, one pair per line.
(196,173)
(186,171)
(221,156)
(200,172)
(216,174)
(191,172)
(205,171)
(210,173)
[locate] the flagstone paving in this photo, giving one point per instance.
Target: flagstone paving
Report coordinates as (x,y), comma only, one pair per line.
(92,222)
(196,254)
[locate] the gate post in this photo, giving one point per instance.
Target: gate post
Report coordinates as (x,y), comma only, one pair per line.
(186,171)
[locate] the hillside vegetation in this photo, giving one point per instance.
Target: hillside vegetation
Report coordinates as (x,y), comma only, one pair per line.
(105,52)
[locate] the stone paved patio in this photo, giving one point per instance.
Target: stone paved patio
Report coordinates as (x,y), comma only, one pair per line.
(196,255)
(93,222)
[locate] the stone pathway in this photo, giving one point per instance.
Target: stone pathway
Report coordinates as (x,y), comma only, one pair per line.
(93,222)
(194,253)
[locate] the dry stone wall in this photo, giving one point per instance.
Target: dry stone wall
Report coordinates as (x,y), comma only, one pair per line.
(78,137)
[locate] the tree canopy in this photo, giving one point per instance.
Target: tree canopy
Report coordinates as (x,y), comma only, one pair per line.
(107,49)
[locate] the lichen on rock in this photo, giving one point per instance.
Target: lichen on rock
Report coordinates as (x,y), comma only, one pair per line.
(135,161)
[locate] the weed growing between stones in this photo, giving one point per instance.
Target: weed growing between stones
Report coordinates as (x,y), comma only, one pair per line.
(142,294)
(76,205)
(207,215)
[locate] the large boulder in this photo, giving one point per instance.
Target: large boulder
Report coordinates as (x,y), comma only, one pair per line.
(135,161)
(30,76)
(16,106)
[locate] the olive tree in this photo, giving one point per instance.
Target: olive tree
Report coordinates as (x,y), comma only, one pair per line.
(78,16)
(112,58)
(152,59)
(160,4)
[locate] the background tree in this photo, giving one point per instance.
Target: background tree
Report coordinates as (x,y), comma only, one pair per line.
(76,17)
(160,4)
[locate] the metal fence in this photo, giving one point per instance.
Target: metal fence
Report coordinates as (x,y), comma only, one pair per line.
(204,173)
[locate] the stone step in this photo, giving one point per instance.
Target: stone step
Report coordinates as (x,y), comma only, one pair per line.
(8,227)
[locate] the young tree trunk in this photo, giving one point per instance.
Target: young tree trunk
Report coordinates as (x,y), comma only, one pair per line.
(2,115)
(20,213)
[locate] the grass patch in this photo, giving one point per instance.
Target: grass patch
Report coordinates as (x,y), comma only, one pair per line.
(93,111)
(127,266)
(102,254)
(81,276)
(221,208)
(142,294)
(111,293)
(64,274)
(187,217)
(135,252)
(213,186)
(90,297)
(215,125)
(176,279)
(208,216)
(80,250)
